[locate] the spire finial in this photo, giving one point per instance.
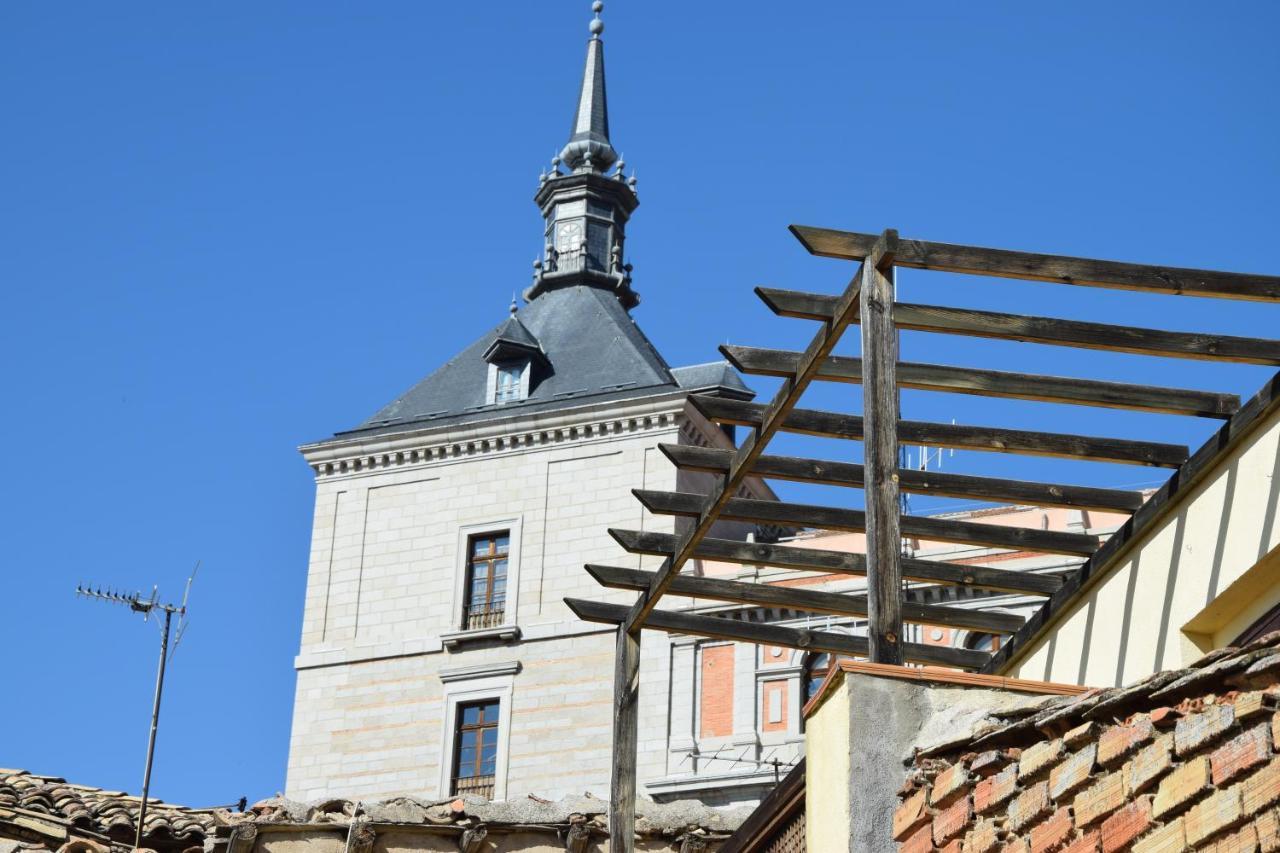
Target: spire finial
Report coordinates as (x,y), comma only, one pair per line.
(514,307)
(588,148)
(597,25)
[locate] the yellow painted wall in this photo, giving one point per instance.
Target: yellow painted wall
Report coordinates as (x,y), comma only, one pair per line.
(1189,584)
(826,795)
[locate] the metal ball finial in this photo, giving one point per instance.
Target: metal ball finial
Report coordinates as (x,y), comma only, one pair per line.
(597,25)
(514,307)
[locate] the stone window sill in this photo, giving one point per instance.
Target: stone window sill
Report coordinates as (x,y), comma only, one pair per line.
(503,633)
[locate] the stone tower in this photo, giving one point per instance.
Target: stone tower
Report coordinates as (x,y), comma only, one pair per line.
(437,656)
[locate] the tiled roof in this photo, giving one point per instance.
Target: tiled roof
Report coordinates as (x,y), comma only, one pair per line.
(47,811)
(1182,760)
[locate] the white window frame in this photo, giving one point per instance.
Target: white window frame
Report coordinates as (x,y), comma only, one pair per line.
(463,691)
(513,527)
(491,384)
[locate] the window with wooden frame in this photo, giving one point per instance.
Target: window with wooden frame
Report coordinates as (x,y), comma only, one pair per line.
(485,598)
(475,747)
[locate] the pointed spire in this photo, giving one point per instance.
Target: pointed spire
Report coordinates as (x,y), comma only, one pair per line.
(589,146)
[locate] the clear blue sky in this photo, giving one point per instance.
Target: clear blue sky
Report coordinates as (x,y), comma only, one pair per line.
(232,228)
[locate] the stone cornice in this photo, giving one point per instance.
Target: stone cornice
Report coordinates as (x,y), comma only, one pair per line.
(345,457)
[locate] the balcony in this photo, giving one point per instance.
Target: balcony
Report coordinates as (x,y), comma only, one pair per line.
(479,786)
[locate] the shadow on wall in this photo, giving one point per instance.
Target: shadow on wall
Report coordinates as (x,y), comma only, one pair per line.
(1190,579)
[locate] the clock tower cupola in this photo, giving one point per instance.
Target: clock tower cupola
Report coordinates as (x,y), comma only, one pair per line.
(586,198)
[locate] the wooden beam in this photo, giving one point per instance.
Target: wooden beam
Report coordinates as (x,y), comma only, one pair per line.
(626,725)
(839,562)
(924,434)
(806,600)
(763,633)
(1002,263)
(784,400)
(880,450)
(999,383)
(832,518)
(1043,330)
(937,483)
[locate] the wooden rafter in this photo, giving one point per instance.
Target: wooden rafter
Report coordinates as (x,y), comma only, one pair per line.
(839,562)
(991,439)
(999,383)
(773,635)
(1043,330)
(808,600)
(869,302)
(1060,269)
(806,369)
(937,483)
(931,528)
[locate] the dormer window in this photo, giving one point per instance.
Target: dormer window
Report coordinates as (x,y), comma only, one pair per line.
(513,356)
(508,382)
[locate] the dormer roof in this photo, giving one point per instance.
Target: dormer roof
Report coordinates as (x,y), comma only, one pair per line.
(513,341)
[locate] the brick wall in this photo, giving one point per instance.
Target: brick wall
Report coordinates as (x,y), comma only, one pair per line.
(1188,760)
(716,691)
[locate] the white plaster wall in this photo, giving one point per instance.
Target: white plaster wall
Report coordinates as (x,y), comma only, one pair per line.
(368,714)
(1130,624)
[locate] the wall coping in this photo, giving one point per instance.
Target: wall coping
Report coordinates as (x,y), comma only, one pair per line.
(935,675)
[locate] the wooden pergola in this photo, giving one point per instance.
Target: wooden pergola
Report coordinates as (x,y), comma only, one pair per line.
(869,301)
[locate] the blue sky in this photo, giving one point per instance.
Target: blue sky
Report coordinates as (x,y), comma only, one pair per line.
(232,228)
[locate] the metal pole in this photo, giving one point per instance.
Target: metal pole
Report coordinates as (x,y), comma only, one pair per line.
(155,721)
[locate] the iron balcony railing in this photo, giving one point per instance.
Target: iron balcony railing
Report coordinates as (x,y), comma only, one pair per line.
(480,786)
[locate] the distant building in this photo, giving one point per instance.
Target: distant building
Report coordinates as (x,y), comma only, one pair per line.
(437,655)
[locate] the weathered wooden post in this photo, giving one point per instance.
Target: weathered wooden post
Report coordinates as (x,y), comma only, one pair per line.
(880,451)
(626,711)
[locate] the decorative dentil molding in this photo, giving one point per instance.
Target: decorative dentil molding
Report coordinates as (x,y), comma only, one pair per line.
(447,448)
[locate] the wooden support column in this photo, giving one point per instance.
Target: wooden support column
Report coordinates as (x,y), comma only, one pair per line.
(626,712)
(880,451)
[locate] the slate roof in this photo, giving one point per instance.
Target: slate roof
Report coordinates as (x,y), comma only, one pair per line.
(712,376)
(594,352)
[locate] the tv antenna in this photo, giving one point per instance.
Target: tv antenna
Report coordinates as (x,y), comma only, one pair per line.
(147,606)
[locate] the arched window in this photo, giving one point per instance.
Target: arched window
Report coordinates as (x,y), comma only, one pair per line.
(816,667)
(982,643)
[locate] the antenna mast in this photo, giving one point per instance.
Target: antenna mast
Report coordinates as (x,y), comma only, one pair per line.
(146,606)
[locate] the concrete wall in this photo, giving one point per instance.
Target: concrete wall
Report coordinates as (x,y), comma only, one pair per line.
(864,728)
(1192,582)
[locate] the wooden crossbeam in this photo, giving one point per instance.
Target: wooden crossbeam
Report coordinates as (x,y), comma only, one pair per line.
(998,383)
(937,483)
(832,518)
(1043,330)
(784,400)
(839,562)
(762,633)
(806,600)
(1003,263)
(992,439)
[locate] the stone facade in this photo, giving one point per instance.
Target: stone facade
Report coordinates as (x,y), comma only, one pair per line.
(384,658)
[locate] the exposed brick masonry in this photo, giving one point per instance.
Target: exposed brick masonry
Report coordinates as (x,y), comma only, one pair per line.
(1187,762)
